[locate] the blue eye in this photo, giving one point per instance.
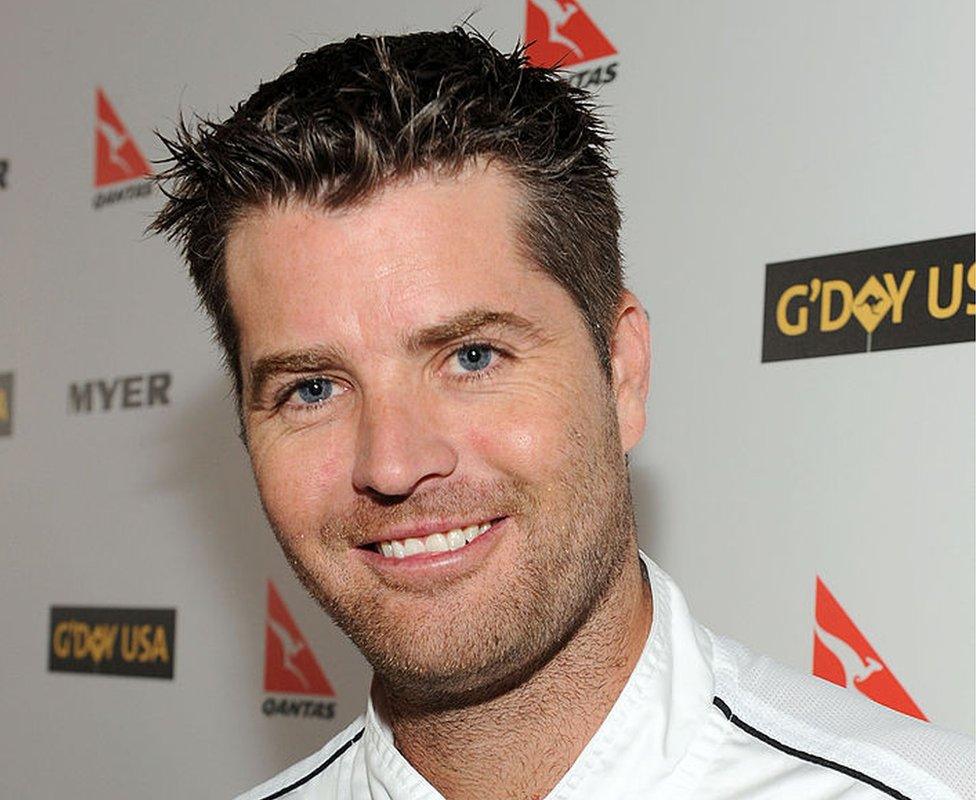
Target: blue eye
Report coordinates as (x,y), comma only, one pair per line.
(474,357)
(314,391)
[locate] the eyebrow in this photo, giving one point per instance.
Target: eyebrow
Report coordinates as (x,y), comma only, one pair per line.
(291,362)
(465,324)
(322,357)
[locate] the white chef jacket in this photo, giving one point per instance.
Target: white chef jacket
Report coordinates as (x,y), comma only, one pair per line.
(700,717)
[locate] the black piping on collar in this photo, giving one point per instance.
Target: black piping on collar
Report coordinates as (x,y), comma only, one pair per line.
(318,770)
(813,759)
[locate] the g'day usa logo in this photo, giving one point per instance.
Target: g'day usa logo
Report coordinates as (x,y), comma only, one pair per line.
(118,161)
(6,403)
(135,642)
(290,667)
(907,295)
(559,33)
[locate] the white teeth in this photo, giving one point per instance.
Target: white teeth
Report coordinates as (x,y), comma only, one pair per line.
(455,539)
(413,546)
(435,543)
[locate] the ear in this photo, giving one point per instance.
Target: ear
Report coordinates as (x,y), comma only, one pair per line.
(630,359)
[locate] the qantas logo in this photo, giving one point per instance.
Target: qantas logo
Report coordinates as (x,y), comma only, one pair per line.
(843,656)
(117,157)
(289,663)
(560,33)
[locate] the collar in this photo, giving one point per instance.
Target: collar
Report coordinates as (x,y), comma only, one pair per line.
(642,742)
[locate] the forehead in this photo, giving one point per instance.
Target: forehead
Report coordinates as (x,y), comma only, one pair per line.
(417,251)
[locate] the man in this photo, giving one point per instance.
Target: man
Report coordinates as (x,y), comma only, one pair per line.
(408,246)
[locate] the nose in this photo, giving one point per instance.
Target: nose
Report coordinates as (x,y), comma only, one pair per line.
(400,445)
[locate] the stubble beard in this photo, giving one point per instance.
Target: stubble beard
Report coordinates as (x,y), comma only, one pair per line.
(577,534)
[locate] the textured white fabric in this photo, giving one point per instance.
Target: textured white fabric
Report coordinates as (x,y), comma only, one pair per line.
(700,717)
(843,726)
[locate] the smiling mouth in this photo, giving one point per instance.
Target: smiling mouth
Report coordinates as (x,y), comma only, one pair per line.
(441,542)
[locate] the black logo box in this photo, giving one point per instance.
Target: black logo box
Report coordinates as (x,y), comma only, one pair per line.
(6,403)
(917,328)
(114,663)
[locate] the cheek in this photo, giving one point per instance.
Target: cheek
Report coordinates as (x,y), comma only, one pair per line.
(522,444)
(513,446)
(300,480)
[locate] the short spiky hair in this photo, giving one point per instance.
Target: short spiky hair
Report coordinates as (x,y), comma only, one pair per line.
(354,115)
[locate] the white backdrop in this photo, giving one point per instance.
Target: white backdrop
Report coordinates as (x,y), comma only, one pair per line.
(747,133)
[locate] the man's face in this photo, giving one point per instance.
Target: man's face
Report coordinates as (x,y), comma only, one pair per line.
(434,442)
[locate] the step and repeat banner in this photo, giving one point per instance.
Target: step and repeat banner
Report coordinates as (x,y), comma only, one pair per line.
(797,185)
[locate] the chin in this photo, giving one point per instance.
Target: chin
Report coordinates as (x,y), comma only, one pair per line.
(440,685)
(472,662)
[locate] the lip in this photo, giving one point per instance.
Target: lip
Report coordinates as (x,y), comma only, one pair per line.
(424,567)
(424,528)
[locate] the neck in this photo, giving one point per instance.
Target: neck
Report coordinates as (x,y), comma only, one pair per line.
(519,744)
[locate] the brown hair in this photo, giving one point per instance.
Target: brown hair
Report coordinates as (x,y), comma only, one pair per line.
(355,114)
